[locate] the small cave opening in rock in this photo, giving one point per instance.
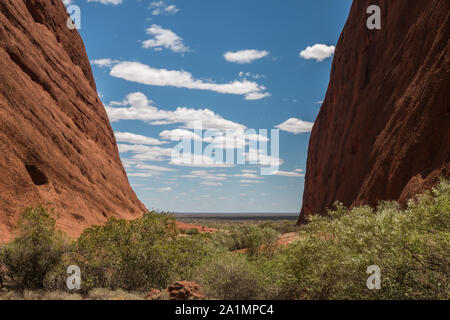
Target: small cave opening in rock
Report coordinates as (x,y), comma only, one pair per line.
(36,175)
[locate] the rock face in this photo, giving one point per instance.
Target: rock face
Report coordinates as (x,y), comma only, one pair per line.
(57,145)
(383,131)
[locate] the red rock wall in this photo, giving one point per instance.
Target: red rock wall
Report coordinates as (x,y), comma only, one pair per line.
(56,142)
(383,131)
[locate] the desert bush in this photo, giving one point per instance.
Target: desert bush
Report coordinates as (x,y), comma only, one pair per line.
(249,237)
(230,276)
(410,246)
(36,249)
(285,226)
(127,254)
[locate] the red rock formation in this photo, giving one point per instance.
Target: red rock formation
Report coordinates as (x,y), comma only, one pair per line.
(56,141)
(185,290)
(383,131)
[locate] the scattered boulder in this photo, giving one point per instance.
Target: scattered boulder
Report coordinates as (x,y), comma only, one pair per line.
(185,290)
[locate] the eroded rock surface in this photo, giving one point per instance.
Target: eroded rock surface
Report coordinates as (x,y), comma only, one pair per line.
(383,131)
(57,145)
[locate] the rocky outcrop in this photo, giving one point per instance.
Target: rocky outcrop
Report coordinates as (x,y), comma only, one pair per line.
(383,131)
(57,145)
(185,290)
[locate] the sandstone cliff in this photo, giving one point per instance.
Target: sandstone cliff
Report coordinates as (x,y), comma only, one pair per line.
(383,131)
(56,141)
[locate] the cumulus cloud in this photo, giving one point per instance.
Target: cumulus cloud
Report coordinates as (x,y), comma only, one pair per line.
(106,62)
(161,7)
(144,74)
(319,52)
(245,56)
(137,139)
(295,126)
(179,134)
(164,38)
(137,106)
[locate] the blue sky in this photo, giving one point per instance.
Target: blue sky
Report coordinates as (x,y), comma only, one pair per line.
(235,64)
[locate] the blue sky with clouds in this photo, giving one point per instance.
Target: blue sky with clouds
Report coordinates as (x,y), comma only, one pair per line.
(235,64)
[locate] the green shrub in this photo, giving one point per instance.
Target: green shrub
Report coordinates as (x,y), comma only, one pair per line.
(127,254)
(410,246)
(249,237)
(230,276)
(36,249)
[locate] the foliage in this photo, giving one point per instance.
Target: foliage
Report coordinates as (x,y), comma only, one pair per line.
(36,249)
(410,246)
(248,237)
(329,261)
(230,276)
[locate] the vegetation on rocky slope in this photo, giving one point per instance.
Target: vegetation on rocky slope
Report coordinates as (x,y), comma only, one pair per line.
(329,261)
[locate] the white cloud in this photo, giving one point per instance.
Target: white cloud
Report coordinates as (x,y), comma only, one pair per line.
(288,173)
(161,7)
(245,56)
(137,106)
(179,134)
(257,95)
(137,139)
(167,189)
(146,153)
(197,160)
(67,2)
(144,166)
(296,126)
(144,74)
(248,175)
(211,183)
(114,2)
(243,74)
(319,52)
(171,9)
(206,175)
(106,62)
(259,157)
(164,38)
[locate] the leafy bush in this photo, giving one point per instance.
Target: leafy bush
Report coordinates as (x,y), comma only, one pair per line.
(230,276)
(36,249)
(410,246)
(248,237)
(127,254)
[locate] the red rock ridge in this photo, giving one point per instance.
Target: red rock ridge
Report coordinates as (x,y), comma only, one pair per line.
(56,140)
(383,131)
